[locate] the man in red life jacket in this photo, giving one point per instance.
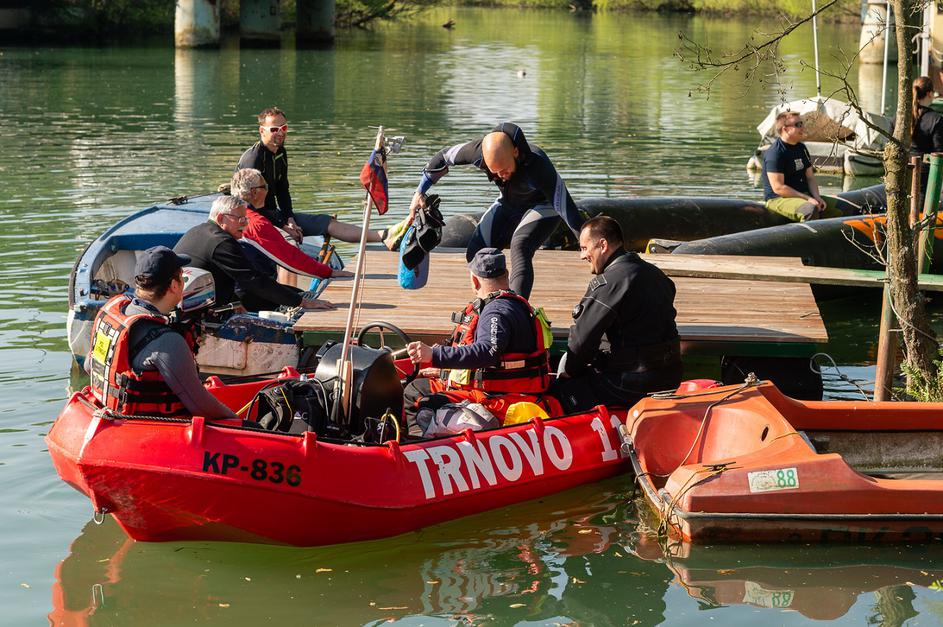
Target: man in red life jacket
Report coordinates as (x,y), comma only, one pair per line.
(497,355)
(138,364)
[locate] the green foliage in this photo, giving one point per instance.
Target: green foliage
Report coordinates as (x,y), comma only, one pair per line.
(111,18)
(359,13)
(922,389)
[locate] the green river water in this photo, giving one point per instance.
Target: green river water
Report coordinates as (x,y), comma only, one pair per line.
(88,134)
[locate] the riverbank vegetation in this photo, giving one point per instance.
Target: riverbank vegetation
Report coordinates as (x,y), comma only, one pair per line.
(123,19)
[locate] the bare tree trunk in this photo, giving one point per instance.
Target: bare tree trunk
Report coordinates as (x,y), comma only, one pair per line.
(918,337)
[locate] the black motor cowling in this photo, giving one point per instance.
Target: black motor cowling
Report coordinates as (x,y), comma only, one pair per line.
(376,387)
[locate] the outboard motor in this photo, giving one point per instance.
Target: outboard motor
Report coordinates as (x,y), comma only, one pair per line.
(376,387)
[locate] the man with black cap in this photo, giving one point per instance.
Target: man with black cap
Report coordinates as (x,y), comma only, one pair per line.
(497,347)
(624,341)
(138,364)
(533,197)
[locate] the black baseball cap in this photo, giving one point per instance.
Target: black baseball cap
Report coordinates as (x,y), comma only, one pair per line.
(158,264)
(488,263)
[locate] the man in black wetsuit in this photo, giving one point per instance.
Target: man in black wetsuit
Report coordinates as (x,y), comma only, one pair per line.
(213,246)
(624,342)
(268,156)
(532,201)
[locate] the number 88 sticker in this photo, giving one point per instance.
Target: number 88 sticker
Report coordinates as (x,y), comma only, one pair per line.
(769,480)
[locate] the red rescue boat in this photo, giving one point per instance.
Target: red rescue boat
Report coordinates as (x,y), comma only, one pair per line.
(746,463)
(192,479)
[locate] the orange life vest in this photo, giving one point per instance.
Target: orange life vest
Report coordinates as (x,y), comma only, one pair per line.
(115,384)
(524,373)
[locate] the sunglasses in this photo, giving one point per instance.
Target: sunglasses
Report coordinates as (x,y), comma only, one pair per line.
(797,124)
(275,129)
(263,186)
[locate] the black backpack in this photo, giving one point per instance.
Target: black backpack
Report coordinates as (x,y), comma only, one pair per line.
(294,407)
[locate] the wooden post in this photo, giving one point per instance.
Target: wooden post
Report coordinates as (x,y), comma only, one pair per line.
(196,24)
(887,350)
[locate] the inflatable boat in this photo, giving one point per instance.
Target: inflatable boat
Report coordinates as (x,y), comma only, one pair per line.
(746,463)
(194,479)
(855,242)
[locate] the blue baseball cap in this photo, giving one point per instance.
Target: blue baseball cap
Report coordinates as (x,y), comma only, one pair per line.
(488,263)
(159,264)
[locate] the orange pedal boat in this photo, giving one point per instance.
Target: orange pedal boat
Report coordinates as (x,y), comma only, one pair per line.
(747,463)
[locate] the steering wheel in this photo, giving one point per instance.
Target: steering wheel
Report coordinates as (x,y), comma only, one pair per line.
(381,326)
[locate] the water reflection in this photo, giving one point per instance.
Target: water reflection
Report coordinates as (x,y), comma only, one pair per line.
(536,561)
(819,582)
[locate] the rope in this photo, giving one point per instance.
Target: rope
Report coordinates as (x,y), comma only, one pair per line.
(816,369)
(110,414)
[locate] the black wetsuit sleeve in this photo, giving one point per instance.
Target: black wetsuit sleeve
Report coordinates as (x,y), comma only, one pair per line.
(281,187)
(231,260)
(595,313)
(459,154)
(546,178)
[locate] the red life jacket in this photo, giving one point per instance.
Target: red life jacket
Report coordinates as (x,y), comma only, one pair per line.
(115,384)
(524,373)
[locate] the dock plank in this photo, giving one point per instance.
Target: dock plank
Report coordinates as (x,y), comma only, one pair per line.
(728,309)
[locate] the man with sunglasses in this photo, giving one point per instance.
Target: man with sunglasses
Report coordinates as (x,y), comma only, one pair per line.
(213,246)
(789,185)
(268,156)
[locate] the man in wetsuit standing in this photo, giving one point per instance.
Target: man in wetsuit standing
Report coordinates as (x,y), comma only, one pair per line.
(532,201)
(624,342)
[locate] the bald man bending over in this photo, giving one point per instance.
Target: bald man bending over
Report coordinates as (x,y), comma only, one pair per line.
(533,197)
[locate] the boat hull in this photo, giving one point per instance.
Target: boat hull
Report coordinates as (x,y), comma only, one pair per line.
(197,480)
(732,466)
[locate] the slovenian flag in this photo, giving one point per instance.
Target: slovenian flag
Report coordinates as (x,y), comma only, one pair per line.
(373,179)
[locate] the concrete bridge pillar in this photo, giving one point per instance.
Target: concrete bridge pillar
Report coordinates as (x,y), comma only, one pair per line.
(873,31)
(260,22)
(15,15)
(196,24)
(315,26)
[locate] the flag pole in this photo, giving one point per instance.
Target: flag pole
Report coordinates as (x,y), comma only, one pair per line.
(344,371)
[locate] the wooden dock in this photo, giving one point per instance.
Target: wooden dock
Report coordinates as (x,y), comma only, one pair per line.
(745,315)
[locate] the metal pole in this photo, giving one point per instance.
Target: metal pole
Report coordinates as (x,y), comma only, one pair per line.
(916,171)
(887,41)
(930,205)
(342,386)
(925,39)
(815,46)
